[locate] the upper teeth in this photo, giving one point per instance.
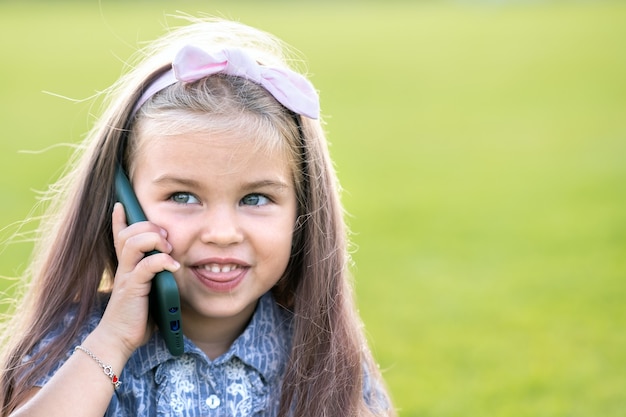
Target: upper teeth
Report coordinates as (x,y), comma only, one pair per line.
(220,268)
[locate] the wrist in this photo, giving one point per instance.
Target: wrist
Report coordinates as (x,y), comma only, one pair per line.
(109,348)
(107,369)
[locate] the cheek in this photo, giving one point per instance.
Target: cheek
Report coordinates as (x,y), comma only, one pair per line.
(178,230)
(274,242)
(287,247)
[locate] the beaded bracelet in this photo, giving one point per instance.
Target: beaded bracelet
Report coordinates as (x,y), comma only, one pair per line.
(108,371)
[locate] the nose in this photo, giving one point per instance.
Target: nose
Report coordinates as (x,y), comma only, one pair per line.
(221,226)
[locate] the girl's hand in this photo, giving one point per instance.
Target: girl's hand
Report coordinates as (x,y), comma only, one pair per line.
(126,316)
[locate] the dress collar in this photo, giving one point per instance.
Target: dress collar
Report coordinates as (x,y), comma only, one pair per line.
(264,344)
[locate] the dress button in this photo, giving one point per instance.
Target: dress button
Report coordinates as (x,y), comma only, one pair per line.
(213,402)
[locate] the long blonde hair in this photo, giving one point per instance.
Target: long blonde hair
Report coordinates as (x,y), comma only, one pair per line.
(75,259)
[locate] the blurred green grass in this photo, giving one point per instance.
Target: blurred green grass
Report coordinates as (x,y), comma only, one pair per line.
(481,148)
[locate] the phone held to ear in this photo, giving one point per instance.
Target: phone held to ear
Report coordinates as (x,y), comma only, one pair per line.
(164,296)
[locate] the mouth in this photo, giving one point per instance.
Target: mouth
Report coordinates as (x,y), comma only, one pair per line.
(216,268)
(223,276)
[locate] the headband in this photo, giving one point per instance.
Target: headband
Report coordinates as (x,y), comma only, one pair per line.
(191,63)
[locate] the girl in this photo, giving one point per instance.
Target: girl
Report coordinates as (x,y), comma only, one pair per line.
(225,151)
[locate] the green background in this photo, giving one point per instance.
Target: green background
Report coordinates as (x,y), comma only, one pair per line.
(481,146)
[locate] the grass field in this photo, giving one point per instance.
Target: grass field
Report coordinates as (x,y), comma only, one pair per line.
(482,150)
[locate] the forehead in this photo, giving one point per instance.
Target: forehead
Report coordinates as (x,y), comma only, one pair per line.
(246,136)
(217,155)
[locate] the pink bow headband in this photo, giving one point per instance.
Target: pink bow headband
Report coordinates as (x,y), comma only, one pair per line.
(191,63)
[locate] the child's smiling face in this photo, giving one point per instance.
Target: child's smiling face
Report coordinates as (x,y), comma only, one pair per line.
(229,212)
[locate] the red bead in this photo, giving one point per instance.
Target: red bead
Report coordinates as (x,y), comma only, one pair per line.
(114,379)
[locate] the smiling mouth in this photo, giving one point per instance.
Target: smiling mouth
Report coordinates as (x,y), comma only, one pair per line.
(221,277)
(220,268)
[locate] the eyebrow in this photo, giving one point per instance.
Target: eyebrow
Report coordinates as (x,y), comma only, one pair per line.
(277,184)
(255,185)
(167,179)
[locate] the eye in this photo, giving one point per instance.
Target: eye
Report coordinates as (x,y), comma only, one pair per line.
(184,198)
(255,200)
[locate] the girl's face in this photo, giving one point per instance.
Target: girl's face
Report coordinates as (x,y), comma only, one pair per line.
(229,213)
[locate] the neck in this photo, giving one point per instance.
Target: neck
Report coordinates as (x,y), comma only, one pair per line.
(214,336)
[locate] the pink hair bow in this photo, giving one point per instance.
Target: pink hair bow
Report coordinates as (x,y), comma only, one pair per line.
(191,63)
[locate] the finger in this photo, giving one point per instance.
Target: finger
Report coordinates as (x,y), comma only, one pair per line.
(137,246)
(140,227)
(118,219)
(118,222)
(158,262)
(122,233)
(148,267)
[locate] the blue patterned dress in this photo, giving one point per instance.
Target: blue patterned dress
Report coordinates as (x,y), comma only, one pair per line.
(245,381)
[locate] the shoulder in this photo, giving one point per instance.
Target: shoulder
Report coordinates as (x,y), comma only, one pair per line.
(375,392)
(38,353)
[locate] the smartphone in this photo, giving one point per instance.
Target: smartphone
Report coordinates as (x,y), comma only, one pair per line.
(164,296)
